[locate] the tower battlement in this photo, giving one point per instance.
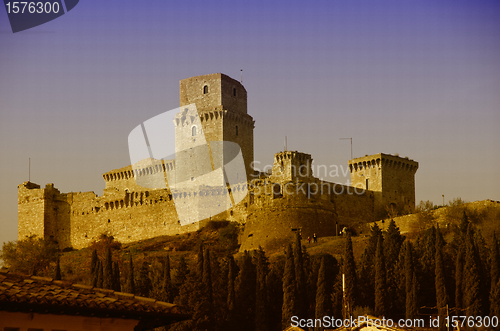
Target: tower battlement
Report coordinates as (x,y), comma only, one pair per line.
(291,166)
(391,177)
(377,160)
(213,91)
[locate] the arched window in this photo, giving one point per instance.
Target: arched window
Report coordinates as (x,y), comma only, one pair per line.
(205,89)
(236,130)
(194,130)
(234,91)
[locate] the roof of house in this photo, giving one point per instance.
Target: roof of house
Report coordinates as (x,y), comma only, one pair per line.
(21,293)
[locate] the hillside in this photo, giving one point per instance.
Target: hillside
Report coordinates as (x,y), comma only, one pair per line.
(222,239)
(456,243)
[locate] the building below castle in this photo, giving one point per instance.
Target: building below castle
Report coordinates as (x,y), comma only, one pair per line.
(269,206)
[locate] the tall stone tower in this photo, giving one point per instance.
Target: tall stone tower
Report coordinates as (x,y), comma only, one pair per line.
(392,178)
(292,166)
(221,104)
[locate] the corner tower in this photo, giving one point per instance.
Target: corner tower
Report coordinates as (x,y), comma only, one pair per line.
(221,103)
(292,166)
(392,178)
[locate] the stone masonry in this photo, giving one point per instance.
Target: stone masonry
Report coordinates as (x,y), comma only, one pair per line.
(276,204)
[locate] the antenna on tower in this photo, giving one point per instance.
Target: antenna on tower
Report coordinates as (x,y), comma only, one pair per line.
(285,145)
(29,170)
(241,75)
(351,143)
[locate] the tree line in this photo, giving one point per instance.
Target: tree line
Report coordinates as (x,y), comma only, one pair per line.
(394,278)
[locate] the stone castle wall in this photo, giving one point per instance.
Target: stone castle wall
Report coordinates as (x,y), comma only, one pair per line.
(77,219)
(277,212)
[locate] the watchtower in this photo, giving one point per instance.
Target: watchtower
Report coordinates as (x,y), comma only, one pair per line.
(392,178)
(221,104)
(292,166)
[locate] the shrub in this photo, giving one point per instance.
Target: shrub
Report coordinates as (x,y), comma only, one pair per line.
(425,220)
(228,236)
(425,206)
(103,242)
(30,256)
(216,225)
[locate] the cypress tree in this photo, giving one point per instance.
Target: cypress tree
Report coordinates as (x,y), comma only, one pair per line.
(94,267)
(495,261)
(393,241)
(311,269)
(495,300)
(186,287)
(442,298)
(231,276)
(367,270)
(337,295)
(398,300)
(116,278)
(349,270)
(108,270)
(414,295)
(324,287)
(411,283)
(143,286)
(131,279)
(289,290)
(428,264)
(459,269)
(167,282)
(380,280)
(100,276)
(261,302)
(57,275)
(471,277)
(274,281)
(464,225)
(302,303)
(182,271)
(205,308)
(482,254)
(219,290)
(245,294)
(392,245)
(200,264)
(495,278)
(207,275)
(230,304)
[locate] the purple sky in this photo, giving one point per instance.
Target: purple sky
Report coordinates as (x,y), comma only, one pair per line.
(418,78)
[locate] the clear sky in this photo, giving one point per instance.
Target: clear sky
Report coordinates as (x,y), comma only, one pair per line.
(418,78)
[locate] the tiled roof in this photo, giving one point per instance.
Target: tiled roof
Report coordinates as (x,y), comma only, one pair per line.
(45,295)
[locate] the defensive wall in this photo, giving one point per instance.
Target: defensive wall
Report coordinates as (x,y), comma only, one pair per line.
(76,219)
(270,211)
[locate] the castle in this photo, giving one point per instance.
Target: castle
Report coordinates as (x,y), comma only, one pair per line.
(269,206)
